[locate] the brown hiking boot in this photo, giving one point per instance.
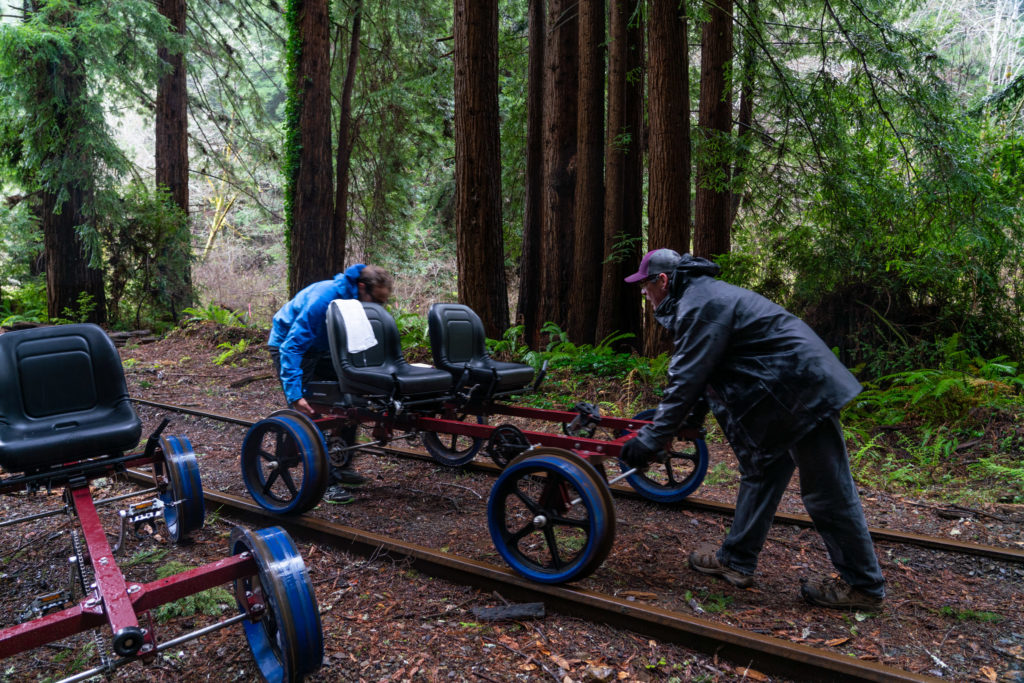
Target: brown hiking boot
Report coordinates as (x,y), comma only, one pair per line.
(836,593)
(705,561)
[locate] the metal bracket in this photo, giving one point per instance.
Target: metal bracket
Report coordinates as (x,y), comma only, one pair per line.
(136,515)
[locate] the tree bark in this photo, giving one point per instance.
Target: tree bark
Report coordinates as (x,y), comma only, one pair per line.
(588,239)
(312,191)
(339,233)
(620,305)
(68,273)
(172,154)
(561,87)
(668,200)
(530,262)
(713,210)
(744,124)
(478,226)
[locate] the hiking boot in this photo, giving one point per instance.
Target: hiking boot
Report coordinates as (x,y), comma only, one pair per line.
(338,495)
(833,592)
(348,477)
(705,560)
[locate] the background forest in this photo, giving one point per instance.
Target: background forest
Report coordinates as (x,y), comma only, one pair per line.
(860,162)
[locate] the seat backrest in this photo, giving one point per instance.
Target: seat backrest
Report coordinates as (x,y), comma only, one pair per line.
(63,397)
(385,356)
(457,337)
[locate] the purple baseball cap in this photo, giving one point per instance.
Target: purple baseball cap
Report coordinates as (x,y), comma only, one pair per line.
(655,262)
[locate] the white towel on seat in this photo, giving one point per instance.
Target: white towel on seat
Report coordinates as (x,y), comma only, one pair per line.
(357,327)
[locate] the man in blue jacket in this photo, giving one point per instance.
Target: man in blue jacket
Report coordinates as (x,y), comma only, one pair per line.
(301,352)
(776,390)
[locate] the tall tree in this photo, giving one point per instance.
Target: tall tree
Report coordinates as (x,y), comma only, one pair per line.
(713,214)
(620,308)
(745,122)
(172,151)
(480,251)
(589,240)
(530,262)
(668,203)
(309,192)
(344,152)
(668,199)
(561,87)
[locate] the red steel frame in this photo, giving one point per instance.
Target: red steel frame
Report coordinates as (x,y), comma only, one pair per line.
(113,601)
(597,450)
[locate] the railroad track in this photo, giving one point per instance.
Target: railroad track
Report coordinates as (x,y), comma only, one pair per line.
(764,653)
(690,503)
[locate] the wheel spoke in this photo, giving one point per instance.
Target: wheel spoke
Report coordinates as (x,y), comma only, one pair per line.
(522,533)
(556,559)
(286,477)
(271,479)
(535,506)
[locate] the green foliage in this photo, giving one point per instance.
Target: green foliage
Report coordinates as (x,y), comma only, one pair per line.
(959,394)
(970,615)
(412,328)
(25,304)
(874,211)
(231,351)
(146,556)
(147,244)
(210,602)
(215,314)
(601,360)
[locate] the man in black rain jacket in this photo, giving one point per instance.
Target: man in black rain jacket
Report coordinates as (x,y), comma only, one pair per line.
(776,390)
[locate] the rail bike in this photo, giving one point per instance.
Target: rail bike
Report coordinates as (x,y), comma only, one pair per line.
(550,511)
(65,421)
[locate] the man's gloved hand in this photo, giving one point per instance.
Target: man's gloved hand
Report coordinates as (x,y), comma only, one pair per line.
(637,454)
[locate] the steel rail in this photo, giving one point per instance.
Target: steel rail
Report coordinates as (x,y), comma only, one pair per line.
(761,652)
(695,503)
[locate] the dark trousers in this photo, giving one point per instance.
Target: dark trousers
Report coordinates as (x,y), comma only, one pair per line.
(829,495)
(317,366)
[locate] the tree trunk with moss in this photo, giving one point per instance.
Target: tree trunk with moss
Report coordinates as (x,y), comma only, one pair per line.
(309,192)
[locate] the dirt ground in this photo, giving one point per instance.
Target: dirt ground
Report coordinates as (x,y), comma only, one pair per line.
(954,617)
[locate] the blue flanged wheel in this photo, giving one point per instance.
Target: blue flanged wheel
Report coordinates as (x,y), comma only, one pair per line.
(284,463)
(551,516)
(674,475)
(453,450)
(287,641)
(180,487)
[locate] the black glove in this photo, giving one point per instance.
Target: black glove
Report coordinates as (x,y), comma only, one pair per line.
(635,453)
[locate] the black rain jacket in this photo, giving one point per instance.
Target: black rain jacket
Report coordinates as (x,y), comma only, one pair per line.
(768,378)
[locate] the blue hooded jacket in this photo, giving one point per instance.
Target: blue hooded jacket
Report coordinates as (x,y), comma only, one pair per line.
(300,325)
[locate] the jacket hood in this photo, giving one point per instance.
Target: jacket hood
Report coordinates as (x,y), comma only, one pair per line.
(690,266)
(346,283)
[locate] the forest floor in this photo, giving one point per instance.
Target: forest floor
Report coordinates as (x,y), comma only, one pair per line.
(954,617)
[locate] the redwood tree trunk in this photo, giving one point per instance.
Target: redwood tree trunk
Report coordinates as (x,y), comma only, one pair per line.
(744,125)
(478,227)
(713,210)
(668,201)
(339,233)
(172,153)
(530,262)
(312,191)
(68,274)
(589,239)
(561,87)
(620,302)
